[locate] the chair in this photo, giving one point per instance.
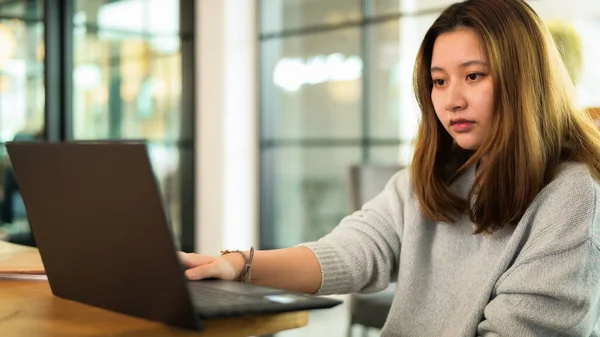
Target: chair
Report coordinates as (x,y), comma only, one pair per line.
(369,310)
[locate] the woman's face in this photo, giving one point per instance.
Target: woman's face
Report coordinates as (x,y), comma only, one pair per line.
(462,94)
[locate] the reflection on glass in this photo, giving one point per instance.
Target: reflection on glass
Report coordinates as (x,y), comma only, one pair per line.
(312,86)
(303,192)
(127,81)
(280,15)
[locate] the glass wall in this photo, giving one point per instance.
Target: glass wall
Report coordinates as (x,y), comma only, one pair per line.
(336,90)
(21,69)
(119,67)
(22,99)
(127,76)
(331,77)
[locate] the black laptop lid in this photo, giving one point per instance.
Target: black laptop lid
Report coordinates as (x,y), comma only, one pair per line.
(99,223)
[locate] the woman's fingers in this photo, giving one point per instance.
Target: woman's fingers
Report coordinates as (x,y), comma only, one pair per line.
(211,270)
(190,260)
(202,267)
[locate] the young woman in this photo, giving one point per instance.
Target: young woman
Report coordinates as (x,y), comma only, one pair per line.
(495,228)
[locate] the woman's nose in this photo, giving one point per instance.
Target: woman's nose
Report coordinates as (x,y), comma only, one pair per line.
(455,99)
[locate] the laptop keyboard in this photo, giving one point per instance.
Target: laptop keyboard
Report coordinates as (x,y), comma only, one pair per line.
(205,296)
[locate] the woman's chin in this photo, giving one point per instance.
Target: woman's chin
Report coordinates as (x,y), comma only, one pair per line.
(467,144)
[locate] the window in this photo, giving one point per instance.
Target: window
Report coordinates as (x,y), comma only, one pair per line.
(114,71)
(333,94)
(22,99)
(127,74)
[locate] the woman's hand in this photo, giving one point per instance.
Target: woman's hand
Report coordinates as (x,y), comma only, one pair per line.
(226,267)
(295,268)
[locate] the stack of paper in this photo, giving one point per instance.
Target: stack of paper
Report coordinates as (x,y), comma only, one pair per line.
(20,262)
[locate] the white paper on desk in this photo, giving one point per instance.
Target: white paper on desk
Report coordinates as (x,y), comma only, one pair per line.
(16,276)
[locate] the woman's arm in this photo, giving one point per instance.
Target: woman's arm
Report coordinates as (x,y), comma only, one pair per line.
(361,253)
(294,268)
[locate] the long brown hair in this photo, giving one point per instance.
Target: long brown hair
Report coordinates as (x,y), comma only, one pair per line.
(535,127)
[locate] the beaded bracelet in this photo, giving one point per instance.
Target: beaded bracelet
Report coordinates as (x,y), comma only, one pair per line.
(245,275)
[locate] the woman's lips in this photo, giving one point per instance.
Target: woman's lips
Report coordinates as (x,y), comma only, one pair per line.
(461,125)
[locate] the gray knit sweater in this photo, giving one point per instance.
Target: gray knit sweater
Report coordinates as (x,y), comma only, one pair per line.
(541,278)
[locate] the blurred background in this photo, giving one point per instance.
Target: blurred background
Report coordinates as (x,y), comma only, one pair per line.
(96,69)
(254,110)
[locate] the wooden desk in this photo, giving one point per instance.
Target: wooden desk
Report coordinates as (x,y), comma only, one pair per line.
(28,308)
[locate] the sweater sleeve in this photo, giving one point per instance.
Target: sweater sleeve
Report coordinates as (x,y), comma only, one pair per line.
(361,253)
(555,295)
(553,287)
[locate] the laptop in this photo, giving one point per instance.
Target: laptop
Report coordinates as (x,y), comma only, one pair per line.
(104,238)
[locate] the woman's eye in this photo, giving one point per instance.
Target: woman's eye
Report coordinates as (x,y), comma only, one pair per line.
(474,76)
(439,83)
